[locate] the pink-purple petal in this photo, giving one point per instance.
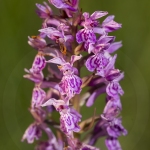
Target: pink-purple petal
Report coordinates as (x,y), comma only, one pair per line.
(98,14)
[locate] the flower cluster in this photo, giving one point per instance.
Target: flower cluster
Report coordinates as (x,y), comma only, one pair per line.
(60,44)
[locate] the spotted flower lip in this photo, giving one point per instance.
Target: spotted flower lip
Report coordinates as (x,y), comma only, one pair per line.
(70,85)
(111,110)
(35,77)
(31,133)
(39,63)
(38,97)
(116,129)
(98,62)
(114,89)
(86,35)
(108,67)
(69,121)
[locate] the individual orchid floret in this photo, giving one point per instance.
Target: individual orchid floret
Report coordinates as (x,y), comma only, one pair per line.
(35,77)
(111,128)
(115,128)
(87,34)
(65,4)
(113,88)
(101,57)
(69,117)
(44,11)
(70,83)
(108,25)
(31,133)
(69,121)
(111,110)
(91,21)
(59,36)
(37,42)
(101,44)
(98,62)
(38,97)
(103,72)
(104,43)
(39,63)
(112,74)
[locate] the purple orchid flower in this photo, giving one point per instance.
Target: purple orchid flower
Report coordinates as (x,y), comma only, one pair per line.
(112,109)
(44,11)
(104,43)
(69,117)
(31,133)
(70,83)
(35,77)
(69,120)
(64,84)
(69,6)
(103,72)
(108,25)
(101,57)
(37,42)
(38,96)
(65,4)
(114,88)
(87,34)
(101,44)
(115,128)
(57,35)
(98,62)
(38,64)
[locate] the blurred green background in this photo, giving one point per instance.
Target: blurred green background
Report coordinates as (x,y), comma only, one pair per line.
(18,20)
